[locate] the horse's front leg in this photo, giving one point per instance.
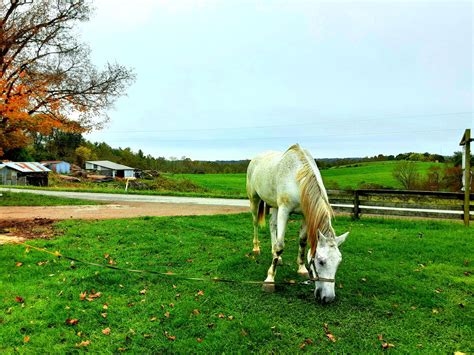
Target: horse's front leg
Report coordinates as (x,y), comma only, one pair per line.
(282,220)
(302,251)
(273,231)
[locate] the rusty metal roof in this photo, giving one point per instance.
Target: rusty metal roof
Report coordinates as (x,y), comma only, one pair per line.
(26,167)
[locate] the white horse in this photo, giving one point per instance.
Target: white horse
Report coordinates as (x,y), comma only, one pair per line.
(291,182)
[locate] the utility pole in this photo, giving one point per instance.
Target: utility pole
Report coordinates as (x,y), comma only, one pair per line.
(466,165)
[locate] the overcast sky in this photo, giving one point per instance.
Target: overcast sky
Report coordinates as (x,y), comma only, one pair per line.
(229,79)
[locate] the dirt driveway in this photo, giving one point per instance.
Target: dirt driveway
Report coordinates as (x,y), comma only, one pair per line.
(114,210)
(18,223)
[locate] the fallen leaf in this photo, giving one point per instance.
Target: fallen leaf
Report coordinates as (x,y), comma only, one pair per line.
(363,279)
(309,341)
(72,321)
(106,256)
(147,335)
(19,299)
(93,295)
(26,339)
(243,333)
(189,260)
(387,345)
(167,314)
(171,305)
(200,293)
(220,315)
(438,290)
(142,292)
(152,319)
(435,311)
(230,317)
(106,331)
(104,315)
(380,337)
(196,312)
(329,335)
(112,262)
(199,340)
(105,306)
(83,343)
(41,263)
(302,345)
(174,286)
(210,325)
(413,308)
(170,337)
(18,263)
(83,295)
(467,273)
(121,349)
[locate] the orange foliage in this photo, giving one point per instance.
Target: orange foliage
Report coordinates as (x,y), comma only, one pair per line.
(17,124)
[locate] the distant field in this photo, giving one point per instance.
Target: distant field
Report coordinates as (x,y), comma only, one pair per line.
(343,177)
(26,199)
(233,185)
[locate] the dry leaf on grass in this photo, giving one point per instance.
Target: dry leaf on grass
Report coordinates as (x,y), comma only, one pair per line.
(72,321)
(170,337)
(106,331)
(18,263)
(104,315)
(329,335)
(167,314)
(26,339)
(196,312)
(199,340)
(83,343)
(200,293)
(387,345)
(19,299)
(142,292)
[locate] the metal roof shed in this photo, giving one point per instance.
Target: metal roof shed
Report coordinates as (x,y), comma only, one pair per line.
(109,168)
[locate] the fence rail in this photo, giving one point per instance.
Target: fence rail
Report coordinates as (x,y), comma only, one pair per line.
(430,204)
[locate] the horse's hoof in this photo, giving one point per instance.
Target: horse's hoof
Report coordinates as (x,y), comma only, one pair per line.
(268,287)
(256,251)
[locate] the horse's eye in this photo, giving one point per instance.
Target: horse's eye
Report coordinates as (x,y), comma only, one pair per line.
(321,262)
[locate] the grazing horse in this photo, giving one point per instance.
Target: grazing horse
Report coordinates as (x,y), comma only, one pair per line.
(291,182)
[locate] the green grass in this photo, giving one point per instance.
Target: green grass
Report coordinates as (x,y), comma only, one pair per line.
(27,199)
(403,280)
(233,185)
(380,173)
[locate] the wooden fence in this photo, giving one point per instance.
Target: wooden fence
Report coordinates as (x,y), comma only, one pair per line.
(401,203)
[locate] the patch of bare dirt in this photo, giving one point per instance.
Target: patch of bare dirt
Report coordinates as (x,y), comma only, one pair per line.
(19,230)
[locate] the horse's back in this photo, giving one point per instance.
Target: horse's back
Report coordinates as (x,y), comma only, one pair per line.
(272,177)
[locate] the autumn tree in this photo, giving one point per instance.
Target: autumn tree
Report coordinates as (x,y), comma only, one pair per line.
(47,80)
(406,172)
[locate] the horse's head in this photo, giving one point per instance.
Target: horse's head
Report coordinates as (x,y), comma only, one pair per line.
(324,265)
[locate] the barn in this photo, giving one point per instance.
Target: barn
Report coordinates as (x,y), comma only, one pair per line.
(58,166)
(23,173)
(108,168)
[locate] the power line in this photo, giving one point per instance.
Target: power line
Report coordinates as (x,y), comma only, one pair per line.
(326,124)
(296,138)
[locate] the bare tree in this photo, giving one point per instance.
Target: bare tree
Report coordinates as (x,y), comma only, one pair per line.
(46,75)
(406,172)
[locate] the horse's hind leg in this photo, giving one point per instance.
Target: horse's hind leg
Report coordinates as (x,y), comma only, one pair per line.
(302,250)
(273,231)
(254,207)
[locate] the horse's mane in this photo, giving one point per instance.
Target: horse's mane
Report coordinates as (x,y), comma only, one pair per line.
(314,201)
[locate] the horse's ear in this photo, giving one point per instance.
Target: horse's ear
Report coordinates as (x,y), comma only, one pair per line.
(321,237)
(341,238)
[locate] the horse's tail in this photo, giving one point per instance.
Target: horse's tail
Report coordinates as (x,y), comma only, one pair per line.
(262,211)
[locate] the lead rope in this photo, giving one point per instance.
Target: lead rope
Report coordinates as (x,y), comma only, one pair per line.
(172,274)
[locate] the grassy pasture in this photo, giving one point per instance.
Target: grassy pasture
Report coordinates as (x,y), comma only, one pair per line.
(27,199)
(405,282)
(343,177)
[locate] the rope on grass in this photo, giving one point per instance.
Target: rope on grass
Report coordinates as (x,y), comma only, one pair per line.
(166,274)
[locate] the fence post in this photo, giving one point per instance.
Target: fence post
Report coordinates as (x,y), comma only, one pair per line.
(356,210)
(466,142)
